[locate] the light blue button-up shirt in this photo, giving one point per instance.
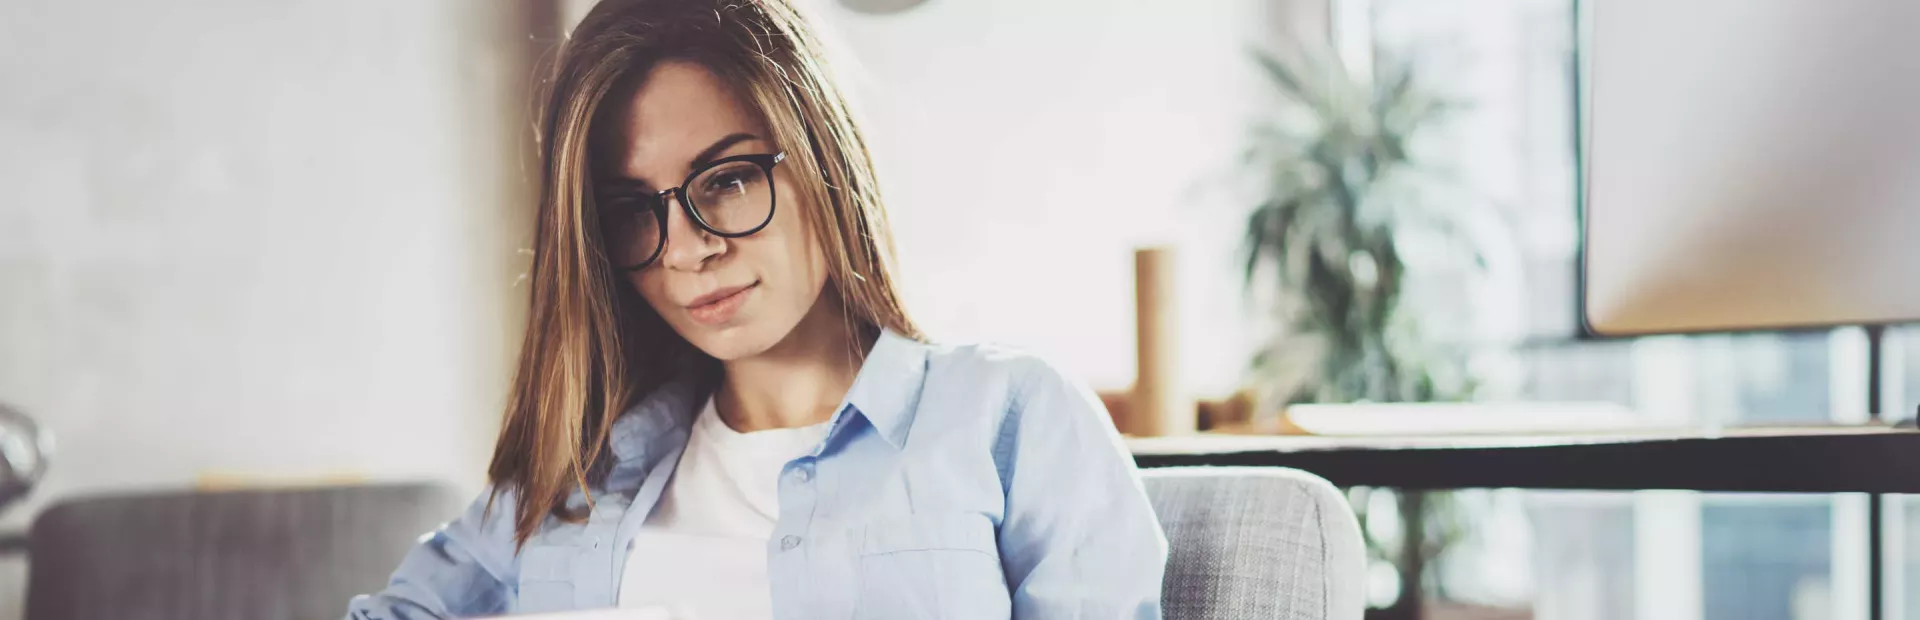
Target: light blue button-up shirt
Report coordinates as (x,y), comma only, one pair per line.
(954,482)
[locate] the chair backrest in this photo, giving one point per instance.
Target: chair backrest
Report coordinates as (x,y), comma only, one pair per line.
(1257,543)
(246,555)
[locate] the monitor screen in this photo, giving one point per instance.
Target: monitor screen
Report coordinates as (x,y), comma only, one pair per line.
(1750,165)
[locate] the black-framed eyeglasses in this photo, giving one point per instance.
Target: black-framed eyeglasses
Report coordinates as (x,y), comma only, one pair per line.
(731,197)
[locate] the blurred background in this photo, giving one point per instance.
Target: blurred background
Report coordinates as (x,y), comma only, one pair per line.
(279,243)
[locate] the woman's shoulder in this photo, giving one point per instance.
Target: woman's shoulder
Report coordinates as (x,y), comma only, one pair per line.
(989,357)
(1032,400)
(998,368)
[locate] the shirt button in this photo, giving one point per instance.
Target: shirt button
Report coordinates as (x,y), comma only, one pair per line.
(802,474)
(789,542)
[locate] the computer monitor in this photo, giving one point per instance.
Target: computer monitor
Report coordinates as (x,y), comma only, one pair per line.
(1750,165)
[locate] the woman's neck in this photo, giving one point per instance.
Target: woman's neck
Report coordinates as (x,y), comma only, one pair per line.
(802,379)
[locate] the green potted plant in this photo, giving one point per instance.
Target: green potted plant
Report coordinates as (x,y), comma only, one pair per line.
(1344,200)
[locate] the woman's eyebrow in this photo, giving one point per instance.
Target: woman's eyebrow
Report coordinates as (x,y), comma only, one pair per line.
(719,146)
(706,156)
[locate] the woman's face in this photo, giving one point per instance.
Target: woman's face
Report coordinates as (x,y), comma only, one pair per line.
(731,297)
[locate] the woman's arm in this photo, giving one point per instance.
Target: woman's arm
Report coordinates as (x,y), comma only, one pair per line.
(466,568)
(1079,539)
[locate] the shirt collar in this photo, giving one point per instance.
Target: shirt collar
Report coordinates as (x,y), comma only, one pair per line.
(659,416)
(887,390)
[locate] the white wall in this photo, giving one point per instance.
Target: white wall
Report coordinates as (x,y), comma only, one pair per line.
(263,238)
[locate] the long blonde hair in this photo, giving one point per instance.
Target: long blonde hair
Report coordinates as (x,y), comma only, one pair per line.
(592,346)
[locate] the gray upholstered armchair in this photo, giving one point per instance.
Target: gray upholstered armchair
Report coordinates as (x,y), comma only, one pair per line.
(1257,543)
(1246,543)
(244,555)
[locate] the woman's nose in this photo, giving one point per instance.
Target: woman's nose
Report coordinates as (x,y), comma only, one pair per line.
(689,246)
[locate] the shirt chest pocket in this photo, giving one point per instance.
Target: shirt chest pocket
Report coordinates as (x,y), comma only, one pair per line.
(930,565)
(546,578)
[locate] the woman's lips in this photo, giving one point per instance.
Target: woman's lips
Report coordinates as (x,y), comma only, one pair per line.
(719,306)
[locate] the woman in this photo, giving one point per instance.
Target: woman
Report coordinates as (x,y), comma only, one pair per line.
(721,405)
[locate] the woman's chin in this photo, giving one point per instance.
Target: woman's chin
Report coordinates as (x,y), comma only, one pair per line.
(731,341)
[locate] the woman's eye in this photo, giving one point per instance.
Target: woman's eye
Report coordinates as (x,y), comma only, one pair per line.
(726,183)
(624,203)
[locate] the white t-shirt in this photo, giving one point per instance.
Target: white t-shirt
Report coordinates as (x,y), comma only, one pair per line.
(704,547)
